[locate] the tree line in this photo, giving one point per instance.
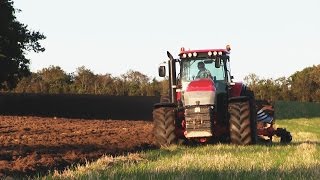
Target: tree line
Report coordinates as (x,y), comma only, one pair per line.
(54,80)
(303,86)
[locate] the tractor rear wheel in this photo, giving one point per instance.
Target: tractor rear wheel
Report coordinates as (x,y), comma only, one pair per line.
(164,126)
(240,128)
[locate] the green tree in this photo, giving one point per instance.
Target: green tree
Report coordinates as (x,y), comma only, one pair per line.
(120,86)
(15,41)
(154,88)
(283,87)
(104,85)
(136,83)
(54,80)
(28,84)
(253,81)
(85,81)
(306,84)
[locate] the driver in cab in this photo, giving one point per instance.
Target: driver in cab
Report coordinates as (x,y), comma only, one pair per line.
(203,72)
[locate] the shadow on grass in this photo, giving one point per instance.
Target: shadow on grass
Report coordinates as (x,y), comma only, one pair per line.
(311,172)
(295,143)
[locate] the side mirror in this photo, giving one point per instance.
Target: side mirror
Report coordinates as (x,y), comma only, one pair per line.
(162,71)
(217,62)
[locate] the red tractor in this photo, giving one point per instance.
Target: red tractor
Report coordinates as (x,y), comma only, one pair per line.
(205,105)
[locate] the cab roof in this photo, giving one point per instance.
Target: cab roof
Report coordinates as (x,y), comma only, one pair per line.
(204,53)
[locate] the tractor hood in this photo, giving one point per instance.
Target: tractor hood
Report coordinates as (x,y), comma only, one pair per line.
(200,92)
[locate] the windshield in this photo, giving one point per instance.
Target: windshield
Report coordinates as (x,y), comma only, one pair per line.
(201,68)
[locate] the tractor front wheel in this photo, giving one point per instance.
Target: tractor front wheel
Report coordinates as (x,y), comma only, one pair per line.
(240,128)
(164,126)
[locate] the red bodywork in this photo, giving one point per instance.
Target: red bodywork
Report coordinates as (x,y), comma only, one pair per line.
(201,85)
(196,85)
(235,90)
(269,131)
(178,95)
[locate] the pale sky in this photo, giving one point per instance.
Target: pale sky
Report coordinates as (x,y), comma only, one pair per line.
(271,38)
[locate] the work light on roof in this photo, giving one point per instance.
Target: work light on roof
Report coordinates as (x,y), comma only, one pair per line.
(209,53)
(195,54)
(184,55)
(189,54)
(215,53)
(220,53)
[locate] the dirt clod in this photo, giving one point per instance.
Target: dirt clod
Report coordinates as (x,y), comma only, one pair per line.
(33,145)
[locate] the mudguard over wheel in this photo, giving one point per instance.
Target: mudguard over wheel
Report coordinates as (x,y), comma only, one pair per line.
(164,99)
(164,126)
(241,131)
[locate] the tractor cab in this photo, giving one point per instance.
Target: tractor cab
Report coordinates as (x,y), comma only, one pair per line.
(212,64)
(215,66)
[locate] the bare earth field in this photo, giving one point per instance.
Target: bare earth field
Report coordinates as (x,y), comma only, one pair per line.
(31,145)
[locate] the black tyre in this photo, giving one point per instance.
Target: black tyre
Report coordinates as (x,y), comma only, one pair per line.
(240,125)
(285,136)
(253,116)
(164,126)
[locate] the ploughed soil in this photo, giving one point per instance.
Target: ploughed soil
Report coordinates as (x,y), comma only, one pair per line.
(37,145)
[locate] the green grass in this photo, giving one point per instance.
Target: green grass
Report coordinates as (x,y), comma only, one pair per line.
(297,160)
